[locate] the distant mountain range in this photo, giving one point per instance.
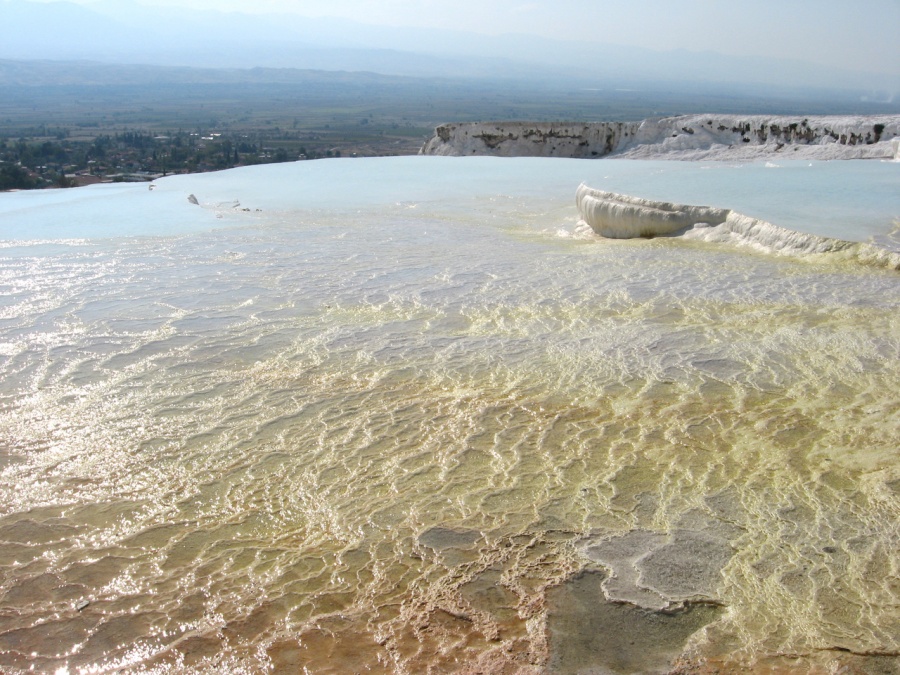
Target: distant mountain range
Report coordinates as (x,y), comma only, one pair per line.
(124,32)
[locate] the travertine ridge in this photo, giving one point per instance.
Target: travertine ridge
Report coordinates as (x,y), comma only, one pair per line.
(689,137)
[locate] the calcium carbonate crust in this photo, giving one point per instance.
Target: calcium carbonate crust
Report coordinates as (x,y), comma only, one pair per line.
(687,137)
(619,216)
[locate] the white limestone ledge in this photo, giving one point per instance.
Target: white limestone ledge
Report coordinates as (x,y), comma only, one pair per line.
(686,137)
(617,216)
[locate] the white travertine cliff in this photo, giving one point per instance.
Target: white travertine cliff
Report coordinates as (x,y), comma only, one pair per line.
(687,137)
(530,139)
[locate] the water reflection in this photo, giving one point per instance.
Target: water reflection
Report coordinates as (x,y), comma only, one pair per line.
(308,442)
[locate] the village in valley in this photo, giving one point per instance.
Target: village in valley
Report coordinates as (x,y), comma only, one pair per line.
(62,157)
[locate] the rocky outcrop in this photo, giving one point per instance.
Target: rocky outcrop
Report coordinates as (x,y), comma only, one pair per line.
(689,137)
(530,139)
(618,216)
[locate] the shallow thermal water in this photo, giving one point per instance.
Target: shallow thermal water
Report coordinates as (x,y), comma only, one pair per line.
(403,415)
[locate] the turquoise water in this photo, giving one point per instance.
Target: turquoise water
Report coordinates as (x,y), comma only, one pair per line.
(402,414)
(852,200)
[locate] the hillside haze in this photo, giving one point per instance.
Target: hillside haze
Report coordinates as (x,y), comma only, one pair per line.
(126,32)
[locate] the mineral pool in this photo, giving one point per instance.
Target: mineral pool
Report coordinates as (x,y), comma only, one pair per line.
(408,415)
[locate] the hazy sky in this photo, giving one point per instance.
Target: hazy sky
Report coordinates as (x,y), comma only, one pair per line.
(860,35)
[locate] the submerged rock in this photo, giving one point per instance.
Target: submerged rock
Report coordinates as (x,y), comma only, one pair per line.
(439,538)
(655,570)
(590,634)
(659,589)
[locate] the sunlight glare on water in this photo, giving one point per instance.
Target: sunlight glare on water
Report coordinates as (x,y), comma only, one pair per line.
(389,433)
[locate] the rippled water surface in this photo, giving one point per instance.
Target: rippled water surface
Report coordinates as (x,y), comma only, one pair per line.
(439,433)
